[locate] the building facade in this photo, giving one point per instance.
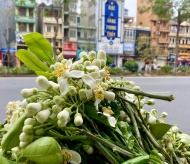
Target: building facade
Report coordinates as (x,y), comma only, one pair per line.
(159,28)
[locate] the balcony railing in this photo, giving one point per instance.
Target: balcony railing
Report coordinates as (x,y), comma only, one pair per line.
(163,40)
(51,35)
(52,20)
(26,19)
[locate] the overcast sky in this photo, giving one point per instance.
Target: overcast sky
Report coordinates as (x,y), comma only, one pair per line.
(131,5)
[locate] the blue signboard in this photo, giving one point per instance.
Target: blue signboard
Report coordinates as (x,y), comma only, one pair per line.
(129,47)
(111,19)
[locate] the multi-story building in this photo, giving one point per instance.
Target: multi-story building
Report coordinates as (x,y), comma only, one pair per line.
(25,21)
(159,28)
(86,32)
(184,42)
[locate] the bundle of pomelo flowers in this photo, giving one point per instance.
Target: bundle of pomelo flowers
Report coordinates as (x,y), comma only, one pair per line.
(78,114)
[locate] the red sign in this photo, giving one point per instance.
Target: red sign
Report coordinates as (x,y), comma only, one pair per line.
(69,46)
(70,49)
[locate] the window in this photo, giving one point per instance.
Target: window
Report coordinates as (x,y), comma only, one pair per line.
(31,13)
(48,28)
(72,18)
(78,34)
(72,33)
(22,26)
(22,11)
(129,34)
(55,29)
(31,27)
(85,34)
(57,43)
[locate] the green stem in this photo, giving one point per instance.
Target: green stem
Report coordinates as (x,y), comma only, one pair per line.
(153,140)
(131,113)
(103,150)
(137,93)
(138,110)
(41,126)
(71,138)
(107,143)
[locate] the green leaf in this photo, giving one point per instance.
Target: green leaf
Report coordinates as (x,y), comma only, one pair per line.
(11,138)
(4,160)
(159,130)
(31,61)
(91,112)
(45,150)
(40,46)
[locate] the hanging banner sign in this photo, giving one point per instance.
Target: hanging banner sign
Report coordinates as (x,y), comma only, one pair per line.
(111,19)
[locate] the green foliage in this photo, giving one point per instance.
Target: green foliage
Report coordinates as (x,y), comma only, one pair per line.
(44,151)
(109,60)
(115,71)
(166,69)
(15,70)
(144,47)
(39,53)
(131,66)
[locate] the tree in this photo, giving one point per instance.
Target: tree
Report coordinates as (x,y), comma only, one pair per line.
(145,48)
(8,26)
(176,10)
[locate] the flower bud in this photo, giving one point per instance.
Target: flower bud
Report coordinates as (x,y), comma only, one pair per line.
(56,109)
(54,85)
(28,129)
(101,55)
(30,121)
(43,115)
(174,129)
(23,137)
(23,144)
(153,112)
(82,95)
(88,149)
(152,119)
(164,114)
(33,108)
(43,82)
(103,63)
(72,91)
(87,63)
(58,100)
(64,115)
(39,132)
(31,99)
(151,102)
(62,123)
(24,103)
(136,88)
(83,55)
(78,119)
(91,55)
(109,95)
(97,62)
(28,92)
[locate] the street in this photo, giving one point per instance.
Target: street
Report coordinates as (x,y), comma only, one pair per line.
(178,110)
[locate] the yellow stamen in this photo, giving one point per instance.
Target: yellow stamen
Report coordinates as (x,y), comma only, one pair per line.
(99,92)
(107,110)
(107,73)
(60,70)
(66,156)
